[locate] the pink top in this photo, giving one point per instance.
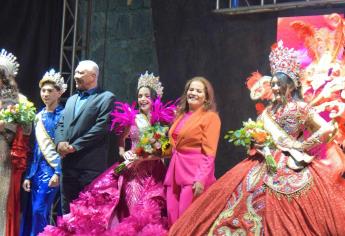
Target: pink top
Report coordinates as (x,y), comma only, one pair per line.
(190,163)
(180,124)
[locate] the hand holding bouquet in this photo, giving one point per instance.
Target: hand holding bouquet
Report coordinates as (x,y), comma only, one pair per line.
(153,142)
(254,138)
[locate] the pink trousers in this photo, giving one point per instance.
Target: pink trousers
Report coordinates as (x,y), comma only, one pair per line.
(178,203)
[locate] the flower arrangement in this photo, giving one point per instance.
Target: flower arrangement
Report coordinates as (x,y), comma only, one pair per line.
(23,113)
(154,141)
(254,137)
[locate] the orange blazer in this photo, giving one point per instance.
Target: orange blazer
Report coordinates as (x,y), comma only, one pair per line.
(201,131)
(194,150)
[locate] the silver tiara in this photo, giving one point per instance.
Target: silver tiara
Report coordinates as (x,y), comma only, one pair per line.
(284,59)
(54,77)
(8,62)
(149,80)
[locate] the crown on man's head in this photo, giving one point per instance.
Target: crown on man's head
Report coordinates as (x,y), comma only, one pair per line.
(8,62)
(54,77)
(149,80)
(283,59)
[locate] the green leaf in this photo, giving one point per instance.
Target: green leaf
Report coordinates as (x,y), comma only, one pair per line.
(271,163)
(237,133)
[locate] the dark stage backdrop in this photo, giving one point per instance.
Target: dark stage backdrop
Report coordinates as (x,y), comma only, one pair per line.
(191,40)
(31,30)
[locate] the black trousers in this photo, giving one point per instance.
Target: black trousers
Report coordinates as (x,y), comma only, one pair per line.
(73,182)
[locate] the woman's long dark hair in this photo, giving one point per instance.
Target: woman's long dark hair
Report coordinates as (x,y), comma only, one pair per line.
(8,88)
(286,82)
(153,93)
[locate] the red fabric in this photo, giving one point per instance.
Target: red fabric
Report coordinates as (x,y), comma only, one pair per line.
(320,210)
(19,152)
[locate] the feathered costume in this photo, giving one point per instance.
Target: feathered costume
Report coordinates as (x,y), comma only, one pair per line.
(131,203)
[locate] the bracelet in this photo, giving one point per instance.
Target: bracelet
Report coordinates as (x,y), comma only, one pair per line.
(311,142)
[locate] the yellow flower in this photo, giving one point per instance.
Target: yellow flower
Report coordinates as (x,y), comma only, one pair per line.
(260,124)
(145,140)
(29,104)
(166,149)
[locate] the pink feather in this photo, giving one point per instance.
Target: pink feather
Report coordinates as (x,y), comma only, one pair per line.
(123,116)
(163,113)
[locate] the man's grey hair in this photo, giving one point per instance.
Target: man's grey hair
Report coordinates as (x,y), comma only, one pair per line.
(91,65)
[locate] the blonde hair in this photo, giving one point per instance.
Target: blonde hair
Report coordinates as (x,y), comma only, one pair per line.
(210,102)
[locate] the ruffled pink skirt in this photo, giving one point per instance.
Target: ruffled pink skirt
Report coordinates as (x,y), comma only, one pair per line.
(132,203)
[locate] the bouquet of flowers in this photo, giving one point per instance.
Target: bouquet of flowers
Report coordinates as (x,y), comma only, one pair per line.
(154,141)
(23,113)
(253,132)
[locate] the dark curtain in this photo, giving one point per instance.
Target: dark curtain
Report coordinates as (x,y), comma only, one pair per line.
(192,40)
(31,30)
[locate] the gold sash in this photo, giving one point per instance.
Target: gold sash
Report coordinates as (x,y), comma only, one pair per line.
(45,143)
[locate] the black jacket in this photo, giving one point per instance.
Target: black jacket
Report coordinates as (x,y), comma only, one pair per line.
(88,132)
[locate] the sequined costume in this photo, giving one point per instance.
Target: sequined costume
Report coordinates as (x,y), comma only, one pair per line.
(39,172)
(132,203)
(249,200)
(6,138)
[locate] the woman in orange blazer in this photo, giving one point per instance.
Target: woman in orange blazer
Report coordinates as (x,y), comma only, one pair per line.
(194,137)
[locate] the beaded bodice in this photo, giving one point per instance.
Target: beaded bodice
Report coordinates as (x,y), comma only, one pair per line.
(291,118)
(141,123)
